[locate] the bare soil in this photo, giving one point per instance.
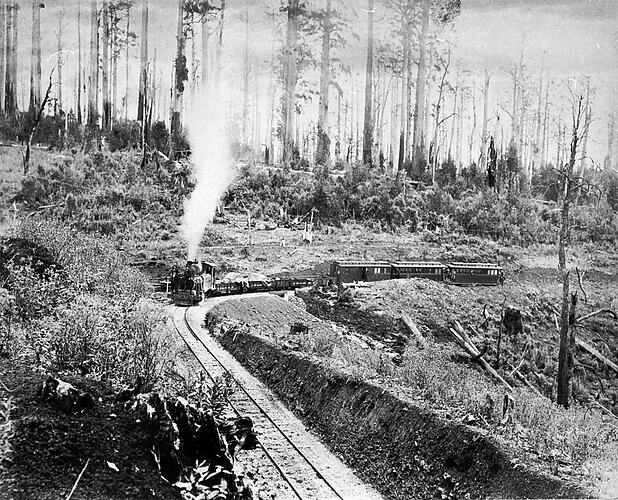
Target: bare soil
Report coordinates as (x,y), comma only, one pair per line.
(51,446)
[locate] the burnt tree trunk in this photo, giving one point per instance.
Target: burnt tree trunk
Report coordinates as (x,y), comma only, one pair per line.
(93,81)
(368,121)
(3,52)
(322,153)
(565,354)
(107,107)
(35,58)
(418,148)
(290,77)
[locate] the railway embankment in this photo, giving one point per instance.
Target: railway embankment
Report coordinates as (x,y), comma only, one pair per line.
(403,448)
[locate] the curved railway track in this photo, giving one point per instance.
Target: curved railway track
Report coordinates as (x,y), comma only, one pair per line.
(304,464)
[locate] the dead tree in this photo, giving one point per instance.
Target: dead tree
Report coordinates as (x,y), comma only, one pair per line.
(37,119)
(105,36)
(60,62)
(180,76)
(79,62)
(368,121)
(35,60)
(418,148)
(290,78)
(245,87)
(93,82)
(3,52)
(10,88)
(569,302)
(323,149)
(219,48)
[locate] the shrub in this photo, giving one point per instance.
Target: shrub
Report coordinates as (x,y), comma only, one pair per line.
(125,134)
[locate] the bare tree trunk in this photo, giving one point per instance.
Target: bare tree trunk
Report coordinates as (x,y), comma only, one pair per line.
(453,123)
(79,62)
(290,77)
(270,154)
(405,95)
(93,83)
(205,39)
(409,108)
(219,46)
(3,52)
(460,111)
(368,121)
(180,76)
(14,45)
(35,60)
(473,128)
(418,149)
(611,139)
(245,91)
(10,97)
(565,355)
(545,127)
(115,55)
(485,135)
(322,154)
(37,119)
(392,155)
(107,109)
(59,63)
(126,94)
(143,72)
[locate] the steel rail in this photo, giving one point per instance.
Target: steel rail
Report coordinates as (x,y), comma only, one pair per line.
(261,410)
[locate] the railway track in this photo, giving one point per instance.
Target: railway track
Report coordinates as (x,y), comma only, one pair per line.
(304,464)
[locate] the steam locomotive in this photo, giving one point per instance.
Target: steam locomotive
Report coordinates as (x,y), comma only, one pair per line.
(199,280)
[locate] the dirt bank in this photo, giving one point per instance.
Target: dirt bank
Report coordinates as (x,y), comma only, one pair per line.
(404,450)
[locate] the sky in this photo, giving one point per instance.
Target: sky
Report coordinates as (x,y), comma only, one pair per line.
(570,39)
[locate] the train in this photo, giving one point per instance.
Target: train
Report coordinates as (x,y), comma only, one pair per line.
(456,273)
(198,281)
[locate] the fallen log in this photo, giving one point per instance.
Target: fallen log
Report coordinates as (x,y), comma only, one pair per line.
(471,349)
(592,351)
(612,313)
(523,378)
(413,329)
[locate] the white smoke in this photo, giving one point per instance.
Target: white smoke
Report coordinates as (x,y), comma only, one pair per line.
(214,168)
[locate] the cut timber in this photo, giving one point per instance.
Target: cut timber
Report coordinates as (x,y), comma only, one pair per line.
(523,378)
(591,350)
(413,329)
(470,348)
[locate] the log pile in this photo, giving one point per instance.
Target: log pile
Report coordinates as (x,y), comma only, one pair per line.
(183,436)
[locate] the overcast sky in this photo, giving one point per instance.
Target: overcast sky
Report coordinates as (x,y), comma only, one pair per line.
(571,38)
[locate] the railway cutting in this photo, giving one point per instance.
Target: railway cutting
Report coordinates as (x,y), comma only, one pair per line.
(304,463)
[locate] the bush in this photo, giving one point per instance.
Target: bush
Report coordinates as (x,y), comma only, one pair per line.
(125,134)
(118,341)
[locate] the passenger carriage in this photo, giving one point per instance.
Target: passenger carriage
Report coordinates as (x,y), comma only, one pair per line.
(351,271)
(429,270)
(467,273)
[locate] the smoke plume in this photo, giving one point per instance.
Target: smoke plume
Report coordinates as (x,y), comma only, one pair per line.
(213,165)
